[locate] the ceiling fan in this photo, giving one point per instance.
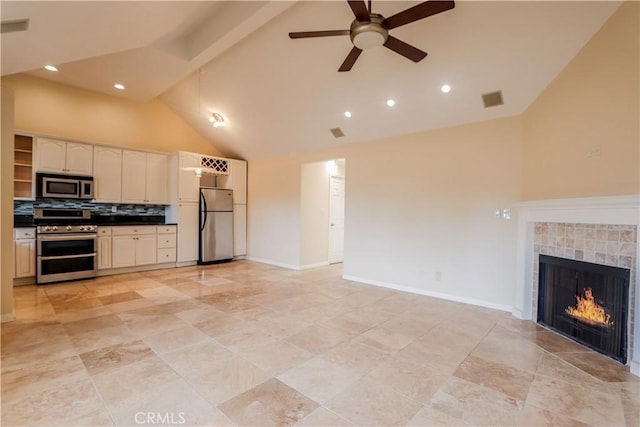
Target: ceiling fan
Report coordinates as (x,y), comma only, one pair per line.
(372,29)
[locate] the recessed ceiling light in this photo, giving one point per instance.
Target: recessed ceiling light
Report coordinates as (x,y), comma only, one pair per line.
(347,113)
(119,86)
(50,68)
(391,102)
(445,88)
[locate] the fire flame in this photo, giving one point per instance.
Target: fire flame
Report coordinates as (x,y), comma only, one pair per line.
(588,311)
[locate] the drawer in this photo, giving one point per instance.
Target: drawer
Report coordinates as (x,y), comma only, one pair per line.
(166,229)
(104,231)
(133,229)
(24,233)
(166,241)
(166,255)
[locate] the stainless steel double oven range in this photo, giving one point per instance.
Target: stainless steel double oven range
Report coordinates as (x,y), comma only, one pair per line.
(66,243)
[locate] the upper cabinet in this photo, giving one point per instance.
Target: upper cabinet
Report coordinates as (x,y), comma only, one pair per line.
(188,181)
(144,177)
(55,156)
(236,180)
(107,174)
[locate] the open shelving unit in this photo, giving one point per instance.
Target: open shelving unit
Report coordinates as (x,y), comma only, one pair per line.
(23,167)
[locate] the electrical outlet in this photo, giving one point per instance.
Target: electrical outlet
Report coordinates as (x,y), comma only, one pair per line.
(595,151)
(506,213)
(114,209)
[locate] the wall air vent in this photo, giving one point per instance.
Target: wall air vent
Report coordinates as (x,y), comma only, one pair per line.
(492,99)
(13,26)
(337,132)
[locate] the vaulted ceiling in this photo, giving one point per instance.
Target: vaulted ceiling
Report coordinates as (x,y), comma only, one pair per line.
(281,96)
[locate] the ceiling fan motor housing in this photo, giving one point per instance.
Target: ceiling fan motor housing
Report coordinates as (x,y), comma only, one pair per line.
(365,35)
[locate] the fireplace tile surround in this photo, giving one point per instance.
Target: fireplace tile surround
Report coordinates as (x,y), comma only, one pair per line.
(602,230)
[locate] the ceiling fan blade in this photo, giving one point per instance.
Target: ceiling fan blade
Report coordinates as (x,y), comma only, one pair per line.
(307,34)
(417,12)
(351,59)
(404,49)
(359,9)
(14,25)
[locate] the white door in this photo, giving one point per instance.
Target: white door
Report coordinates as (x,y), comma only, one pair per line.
(336,220)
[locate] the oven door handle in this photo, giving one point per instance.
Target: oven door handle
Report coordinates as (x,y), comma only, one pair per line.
(45,238)
(47,258)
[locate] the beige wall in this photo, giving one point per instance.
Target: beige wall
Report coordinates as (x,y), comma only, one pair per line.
(45,107)
(6,206)
(314,214)
(415,205)
(582,133)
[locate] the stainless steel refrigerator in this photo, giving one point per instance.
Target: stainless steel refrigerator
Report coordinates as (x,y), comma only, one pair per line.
(216,225)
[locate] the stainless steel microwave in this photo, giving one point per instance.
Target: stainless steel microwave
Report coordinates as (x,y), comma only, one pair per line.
(50,186)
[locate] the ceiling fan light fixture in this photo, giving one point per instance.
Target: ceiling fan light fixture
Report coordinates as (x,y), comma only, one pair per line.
(217,120)
(366,35)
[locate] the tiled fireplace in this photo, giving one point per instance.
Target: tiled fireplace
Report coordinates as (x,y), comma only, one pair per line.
(595,230)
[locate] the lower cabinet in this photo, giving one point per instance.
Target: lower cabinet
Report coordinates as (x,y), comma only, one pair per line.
(166,243)
(24,251)
(239,230)
(133,246)
(188,229)
(130,246)
(104,248)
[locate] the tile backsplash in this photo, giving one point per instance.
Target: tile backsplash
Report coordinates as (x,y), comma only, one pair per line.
(27,207)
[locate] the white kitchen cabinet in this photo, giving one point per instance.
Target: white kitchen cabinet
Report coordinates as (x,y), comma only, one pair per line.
(239,230)
(144,177)
(56,156)
(156,178)
(24,252)
(107,174)
(187,232)
(133,245)
(188,181)
(104,248)
(167,243)
(146,248)
(236,181)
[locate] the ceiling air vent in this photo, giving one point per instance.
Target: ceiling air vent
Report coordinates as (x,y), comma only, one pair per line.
(337,132)
(492,99)
(13,26)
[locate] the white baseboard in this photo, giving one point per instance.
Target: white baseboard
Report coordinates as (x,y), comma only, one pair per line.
(315,265)
(635,367)
(440,295)
(9,317)
(275,263)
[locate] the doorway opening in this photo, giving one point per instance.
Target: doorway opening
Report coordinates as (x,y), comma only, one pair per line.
(322,213)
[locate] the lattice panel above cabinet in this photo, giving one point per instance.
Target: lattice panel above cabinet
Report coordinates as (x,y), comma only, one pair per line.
(215,165)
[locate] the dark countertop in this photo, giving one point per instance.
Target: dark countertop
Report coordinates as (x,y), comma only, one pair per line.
(23,221)
(128,220)
(103,220)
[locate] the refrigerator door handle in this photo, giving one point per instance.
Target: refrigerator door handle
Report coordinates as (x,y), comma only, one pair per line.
(203,211)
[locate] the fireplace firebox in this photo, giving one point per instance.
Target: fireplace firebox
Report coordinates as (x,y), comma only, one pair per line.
(585,302)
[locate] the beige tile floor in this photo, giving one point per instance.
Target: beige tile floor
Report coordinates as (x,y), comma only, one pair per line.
(248,344)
